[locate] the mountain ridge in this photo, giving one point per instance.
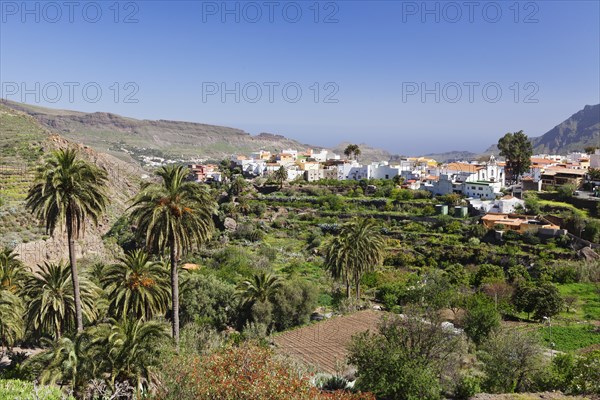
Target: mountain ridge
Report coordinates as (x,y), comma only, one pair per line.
(126,137)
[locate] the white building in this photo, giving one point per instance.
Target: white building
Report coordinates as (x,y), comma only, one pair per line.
(504,205)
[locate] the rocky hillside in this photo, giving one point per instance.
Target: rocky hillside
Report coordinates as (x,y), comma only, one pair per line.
(580,130)
(128,138)
(23,144)
(577,132)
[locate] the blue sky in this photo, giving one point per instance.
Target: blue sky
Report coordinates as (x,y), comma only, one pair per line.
(411,77)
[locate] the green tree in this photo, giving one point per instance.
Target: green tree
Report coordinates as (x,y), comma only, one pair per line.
(405,359)
(174,214)
(206,298)
(481,318)
(67,191)
(352,150)
(488,273)
(51,308)
(293,304)
(511,359)
(547,300)
(280,176)
(517,149)
(136,287)
(543,300)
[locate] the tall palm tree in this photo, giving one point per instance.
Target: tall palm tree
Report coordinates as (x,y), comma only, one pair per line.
(52,306)
(260,288)
(359,247)
(337,261)
(367,247)
(137,287)
(174,214)
(11,319)
(11,271)
(68,190)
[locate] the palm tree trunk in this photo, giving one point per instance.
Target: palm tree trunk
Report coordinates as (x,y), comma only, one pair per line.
(357,280)
(347,287)
(74,273)
(175,292)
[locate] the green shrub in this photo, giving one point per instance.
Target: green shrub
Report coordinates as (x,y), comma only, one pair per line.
(15,389)
(205,298)
(467,387)
(293,304)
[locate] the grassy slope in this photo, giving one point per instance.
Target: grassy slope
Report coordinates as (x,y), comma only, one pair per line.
(21,147)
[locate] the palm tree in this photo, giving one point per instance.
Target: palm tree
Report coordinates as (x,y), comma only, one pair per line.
(124,351)
(352,150)
(260,288)
(349,150)
(131,351)
(70,361)
(52,306)
(137,287)
(367,246)
(11,271)
(174,214)
(280,176)
(68,190)
(358,249)
(337,261)
(237,186)
(356,152)
(11,319)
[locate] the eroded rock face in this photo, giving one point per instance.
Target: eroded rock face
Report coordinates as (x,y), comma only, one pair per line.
(55,249)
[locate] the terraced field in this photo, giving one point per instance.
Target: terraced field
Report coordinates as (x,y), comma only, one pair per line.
(323,345)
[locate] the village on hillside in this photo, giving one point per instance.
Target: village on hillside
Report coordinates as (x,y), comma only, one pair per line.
(482,183)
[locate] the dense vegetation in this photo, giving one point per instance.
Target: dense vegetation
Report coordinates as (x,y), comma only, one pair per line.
(229,265)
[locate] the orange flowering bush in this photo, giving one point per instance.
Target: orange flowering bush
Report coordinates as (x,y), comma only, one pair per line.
(240,373)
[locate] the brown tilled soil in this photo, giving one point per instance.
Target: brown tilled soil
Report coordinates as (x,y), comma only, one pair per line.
(323,344)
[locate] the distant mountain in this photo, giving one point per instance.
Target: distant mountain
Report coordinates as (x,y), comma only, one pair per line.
(129,138)
(367,153)
(580,130)
(451,156)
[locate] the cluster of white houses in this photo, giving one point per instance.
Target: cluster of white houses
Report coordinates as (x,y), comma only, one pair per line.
(477,180)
